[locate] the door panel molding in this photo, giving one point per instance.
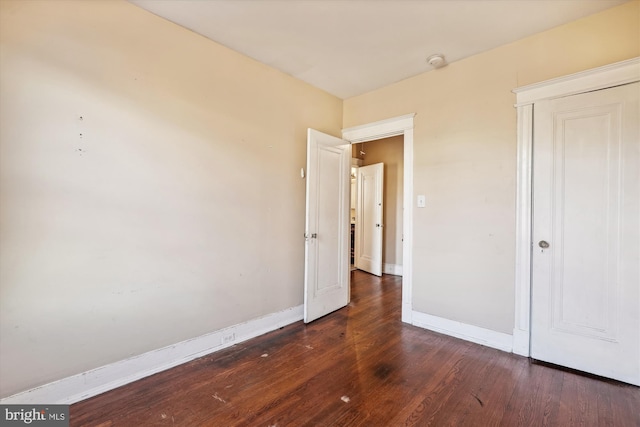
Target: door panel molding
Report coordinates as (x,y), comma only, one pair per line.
(599,78)
(601,322)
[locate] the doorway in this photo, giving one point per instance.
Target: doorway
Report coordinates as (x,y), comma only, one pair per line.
(397,126)
(377,205)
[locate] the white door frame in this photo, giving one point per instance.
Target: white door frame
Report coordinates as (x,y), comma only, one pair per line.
(402,125)
(598,78)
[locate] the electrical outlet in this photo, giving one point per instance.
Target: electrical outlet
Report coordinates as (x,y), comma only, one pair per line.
(226,339)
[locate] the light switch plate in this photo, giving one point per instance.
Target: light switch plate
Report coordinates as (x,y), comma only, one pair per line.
(422,201)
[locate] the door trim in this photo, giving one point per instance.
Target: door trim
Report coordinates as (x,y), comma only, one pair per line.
(401,125)
(595,79)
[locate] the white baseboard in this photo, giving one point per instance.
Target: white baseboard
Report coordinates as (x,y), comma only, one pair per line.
(467,332)
(91,383)
(394,269)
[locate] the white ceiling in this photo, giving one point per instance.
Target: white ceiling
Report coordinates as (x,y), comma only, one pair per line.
(350,47)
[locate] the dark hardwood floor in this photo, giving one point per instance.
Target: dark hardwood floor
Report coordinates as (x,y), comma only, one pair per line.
(361,366)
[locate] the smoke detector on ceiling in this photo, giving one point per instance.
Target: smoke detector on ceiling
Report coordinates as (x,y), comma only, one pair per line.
(437,60)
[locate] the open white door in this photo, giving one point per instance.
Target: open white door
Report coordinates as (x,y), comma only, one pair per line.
(368,238)
(327,229)
(586,232)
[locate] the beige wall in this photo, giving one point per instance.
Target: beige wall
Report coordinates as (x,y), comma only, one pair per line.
(173,208)
(464,160)
(390,152)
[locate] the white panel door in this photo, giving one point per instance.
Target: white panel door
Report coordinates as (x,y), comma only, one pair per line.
(327,229)
(586,220)
(368,232)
